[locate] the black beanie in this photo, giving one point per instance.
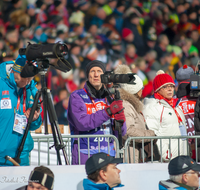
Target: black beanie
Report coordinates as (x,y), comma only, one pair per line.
(95,63)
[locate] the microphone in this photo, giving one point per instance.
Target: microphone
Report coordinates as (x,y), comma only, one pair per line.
(30,70)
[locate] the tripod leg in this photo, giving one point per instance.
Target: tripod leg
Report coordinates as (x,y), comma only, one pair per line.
(30,119)
(44,103)
(55,129)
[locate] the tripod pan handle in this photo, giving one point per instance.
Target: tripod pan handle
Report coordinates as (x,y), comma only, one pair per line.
(12,160)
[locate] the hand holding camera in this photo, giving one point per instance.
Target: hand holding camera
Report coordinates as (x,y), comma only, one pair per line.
(115,107)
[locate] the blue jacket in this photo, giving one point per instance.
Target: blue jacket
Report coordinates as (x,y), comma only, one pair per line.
(10,140)
(89,185)
(169,184)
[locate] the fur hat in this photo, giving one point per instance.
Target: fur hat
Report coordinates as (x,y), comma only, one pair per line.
(184,73)
(131,88)
(161,80)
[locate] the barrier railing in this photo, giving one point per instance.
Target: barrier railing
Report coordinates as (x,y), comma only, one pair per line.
(47,141)
(126,149)
(45,155)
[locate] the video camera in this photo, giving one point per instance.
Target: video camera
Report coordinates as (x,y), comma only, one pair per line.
(110,77)
(37,55)
(195,84)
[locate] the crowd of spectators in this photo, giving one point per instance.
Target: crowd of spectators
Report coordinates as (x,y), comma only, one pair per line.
(146,35)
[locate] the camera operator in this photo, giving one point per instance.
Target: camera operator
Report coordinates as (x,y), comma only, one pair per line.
(17,97)
(186,102)
(89,112)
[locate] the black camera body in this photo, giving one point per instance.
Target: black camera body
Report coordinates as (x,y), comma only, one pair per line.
(39,53)
(195,85)
(43,51)
(110,77)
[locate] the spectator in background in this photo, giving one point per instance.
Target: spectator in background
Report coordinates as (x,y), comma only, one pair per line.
(186,102)
(103,57)
(12,40)
(9,7)
(152,63)
(25,34)
(140,64)
(127,38)
(148,89)
(134,25)
(60,36)
(102,172)
(183,174)
(130,54)
(164,116)
(151,39)
(39,35)
(62,106)
(32,14)
(171,30)
(136,127)
(41,16)
(53,84)
(165,62)
(195,39)
(161,48)
(89,112)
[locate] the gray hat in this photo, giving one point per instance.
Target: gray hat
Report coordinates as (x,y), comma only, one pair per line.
(184,73)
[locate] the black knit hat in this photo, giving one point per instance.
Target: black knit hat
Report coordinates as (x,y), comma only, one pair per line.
(39,3)
(57,3)
(99,160)
(95,63)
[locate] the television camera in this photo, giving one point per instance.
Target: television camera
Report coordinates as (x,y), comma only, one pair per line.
(111,82)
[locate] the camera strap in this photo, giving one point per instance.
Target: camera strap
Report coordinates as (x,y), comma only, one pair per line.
(24,100)
(93,100)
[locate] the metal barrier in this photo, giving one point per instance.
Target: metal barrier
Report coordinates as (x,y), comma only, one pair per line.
(48,141)
(159,138)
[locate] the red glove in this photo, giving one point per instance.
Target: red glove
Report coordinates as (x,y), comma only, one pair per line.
(115,107)
(120,117)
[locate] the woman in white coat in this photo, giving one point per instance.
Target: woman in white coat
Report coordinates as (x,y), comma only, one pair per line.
(165,117)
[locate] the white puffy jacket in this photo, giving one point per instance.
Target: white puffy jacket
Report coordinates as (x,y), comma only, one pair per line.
(161,118)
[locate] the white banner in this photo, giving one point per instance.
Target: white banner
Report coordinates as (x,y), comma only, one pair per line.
(133,176)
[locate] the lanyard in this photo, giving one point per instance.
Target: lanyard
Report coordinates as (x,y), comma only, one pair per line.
(178,116)
(93,99)
(24,98)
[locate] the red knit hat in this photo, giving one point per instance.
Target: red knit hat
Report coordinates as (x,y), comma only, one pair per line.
(161,80)
(126,32)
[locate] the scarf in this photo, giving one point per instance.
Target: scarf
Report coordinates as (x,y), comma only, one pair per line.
(172,102)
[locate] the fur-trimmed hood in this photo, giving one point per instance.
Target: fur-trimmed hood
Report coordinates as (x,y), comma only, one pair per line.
(132,99)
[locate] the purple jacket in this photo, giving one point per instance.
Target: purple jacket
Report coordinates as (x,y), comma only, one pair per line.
(86,115)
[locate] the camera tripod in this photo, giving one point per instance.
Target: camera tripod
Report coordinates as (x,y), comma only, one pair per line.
(47,108)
